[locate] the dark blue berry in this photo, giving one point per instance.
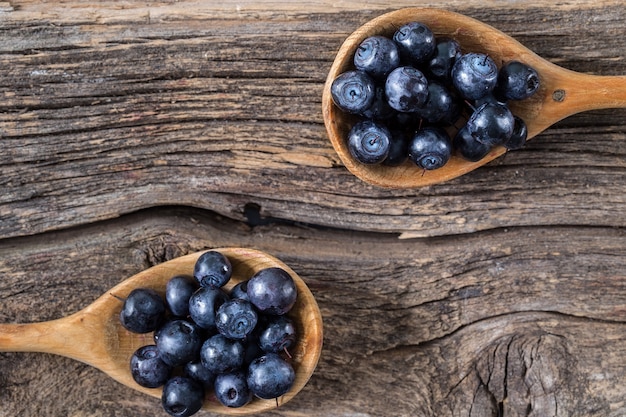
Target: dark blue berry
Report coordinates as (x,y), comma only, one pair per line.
(368,142)
(278,334)
(377,55)
(252,351)
(272,291)
(491,124)
(156,334)
(353,91)
(380,109)
(408,122)
(220,354)
(519,135)
(232,390)
(474,75)
(442,106)
(178,291)
(430,148)
(147,368)
(468,147)
(236,319)
(182,396)
(517,81)
(199,373)
(240,291)
(179,342)
(398,148)
(270,376)
(212,269)
(493,97)
(406,89)
(203,305)
(416,42)
(143,310)
(447,51)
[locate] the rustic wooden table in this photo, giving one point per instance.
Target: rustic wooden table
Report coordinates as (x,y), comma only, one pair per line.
(132,133)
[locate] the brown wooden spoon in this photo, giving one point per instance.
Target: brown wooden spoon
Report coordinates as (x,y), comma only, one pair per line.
(562,92)
(94,335)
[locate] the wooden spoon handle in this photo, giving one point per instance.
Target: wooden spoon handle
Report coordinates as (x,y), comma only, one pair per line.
(572,92)
(582,92)
(565,93)
(83,336)
(67,336)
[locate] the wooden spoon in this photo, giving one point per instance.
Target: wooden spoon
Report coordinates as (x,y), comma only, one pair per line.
(562,92)
(94,335)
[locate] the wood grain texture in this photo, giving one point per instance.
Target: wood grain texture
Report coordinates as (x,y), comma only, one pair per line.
(103,119)
(455,325)
(133,133)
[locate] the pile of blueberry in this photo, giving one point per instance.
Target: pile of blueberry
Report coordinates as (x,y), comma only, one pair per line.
(410,91)
(234,343)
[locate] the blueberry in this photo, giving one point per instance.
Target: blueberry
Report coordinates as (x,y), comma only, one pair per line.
(199,373)
(416,42)
(353,91)
(178,291)
(220,354)
(519,135)
(240,291)
(143,310)
(517,81)
(203,305)
(368,142)
(442,105)
(491,124)
(272,291)
(252,351)
(156,334)
(380,108)
(474,75)
(179,342)
(377,56)
(447,51)
(236,319)
(270,376)
(398,148)
(494,97)
(212,269)
(232,390)
(468,147)
(279,334)
(406,89)
(147,368)
(408,122)
(430,148)
(182,397)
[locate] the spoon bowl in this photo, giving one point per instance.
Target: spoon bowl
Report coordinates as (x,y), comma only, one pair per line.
(95,336)
(562,92)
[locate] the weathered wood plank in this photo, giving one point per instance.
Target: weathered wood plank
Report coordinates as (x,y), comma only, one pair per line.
(101,119)
(132,133)
(456,326)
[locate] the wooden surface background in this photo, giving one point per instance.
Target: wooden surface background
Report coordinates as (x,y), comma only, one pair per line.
(132,132)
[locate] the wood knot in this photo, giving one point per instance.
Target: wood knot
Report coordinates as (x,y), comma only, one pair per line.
(162,249)
(558,95)
(522,375)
